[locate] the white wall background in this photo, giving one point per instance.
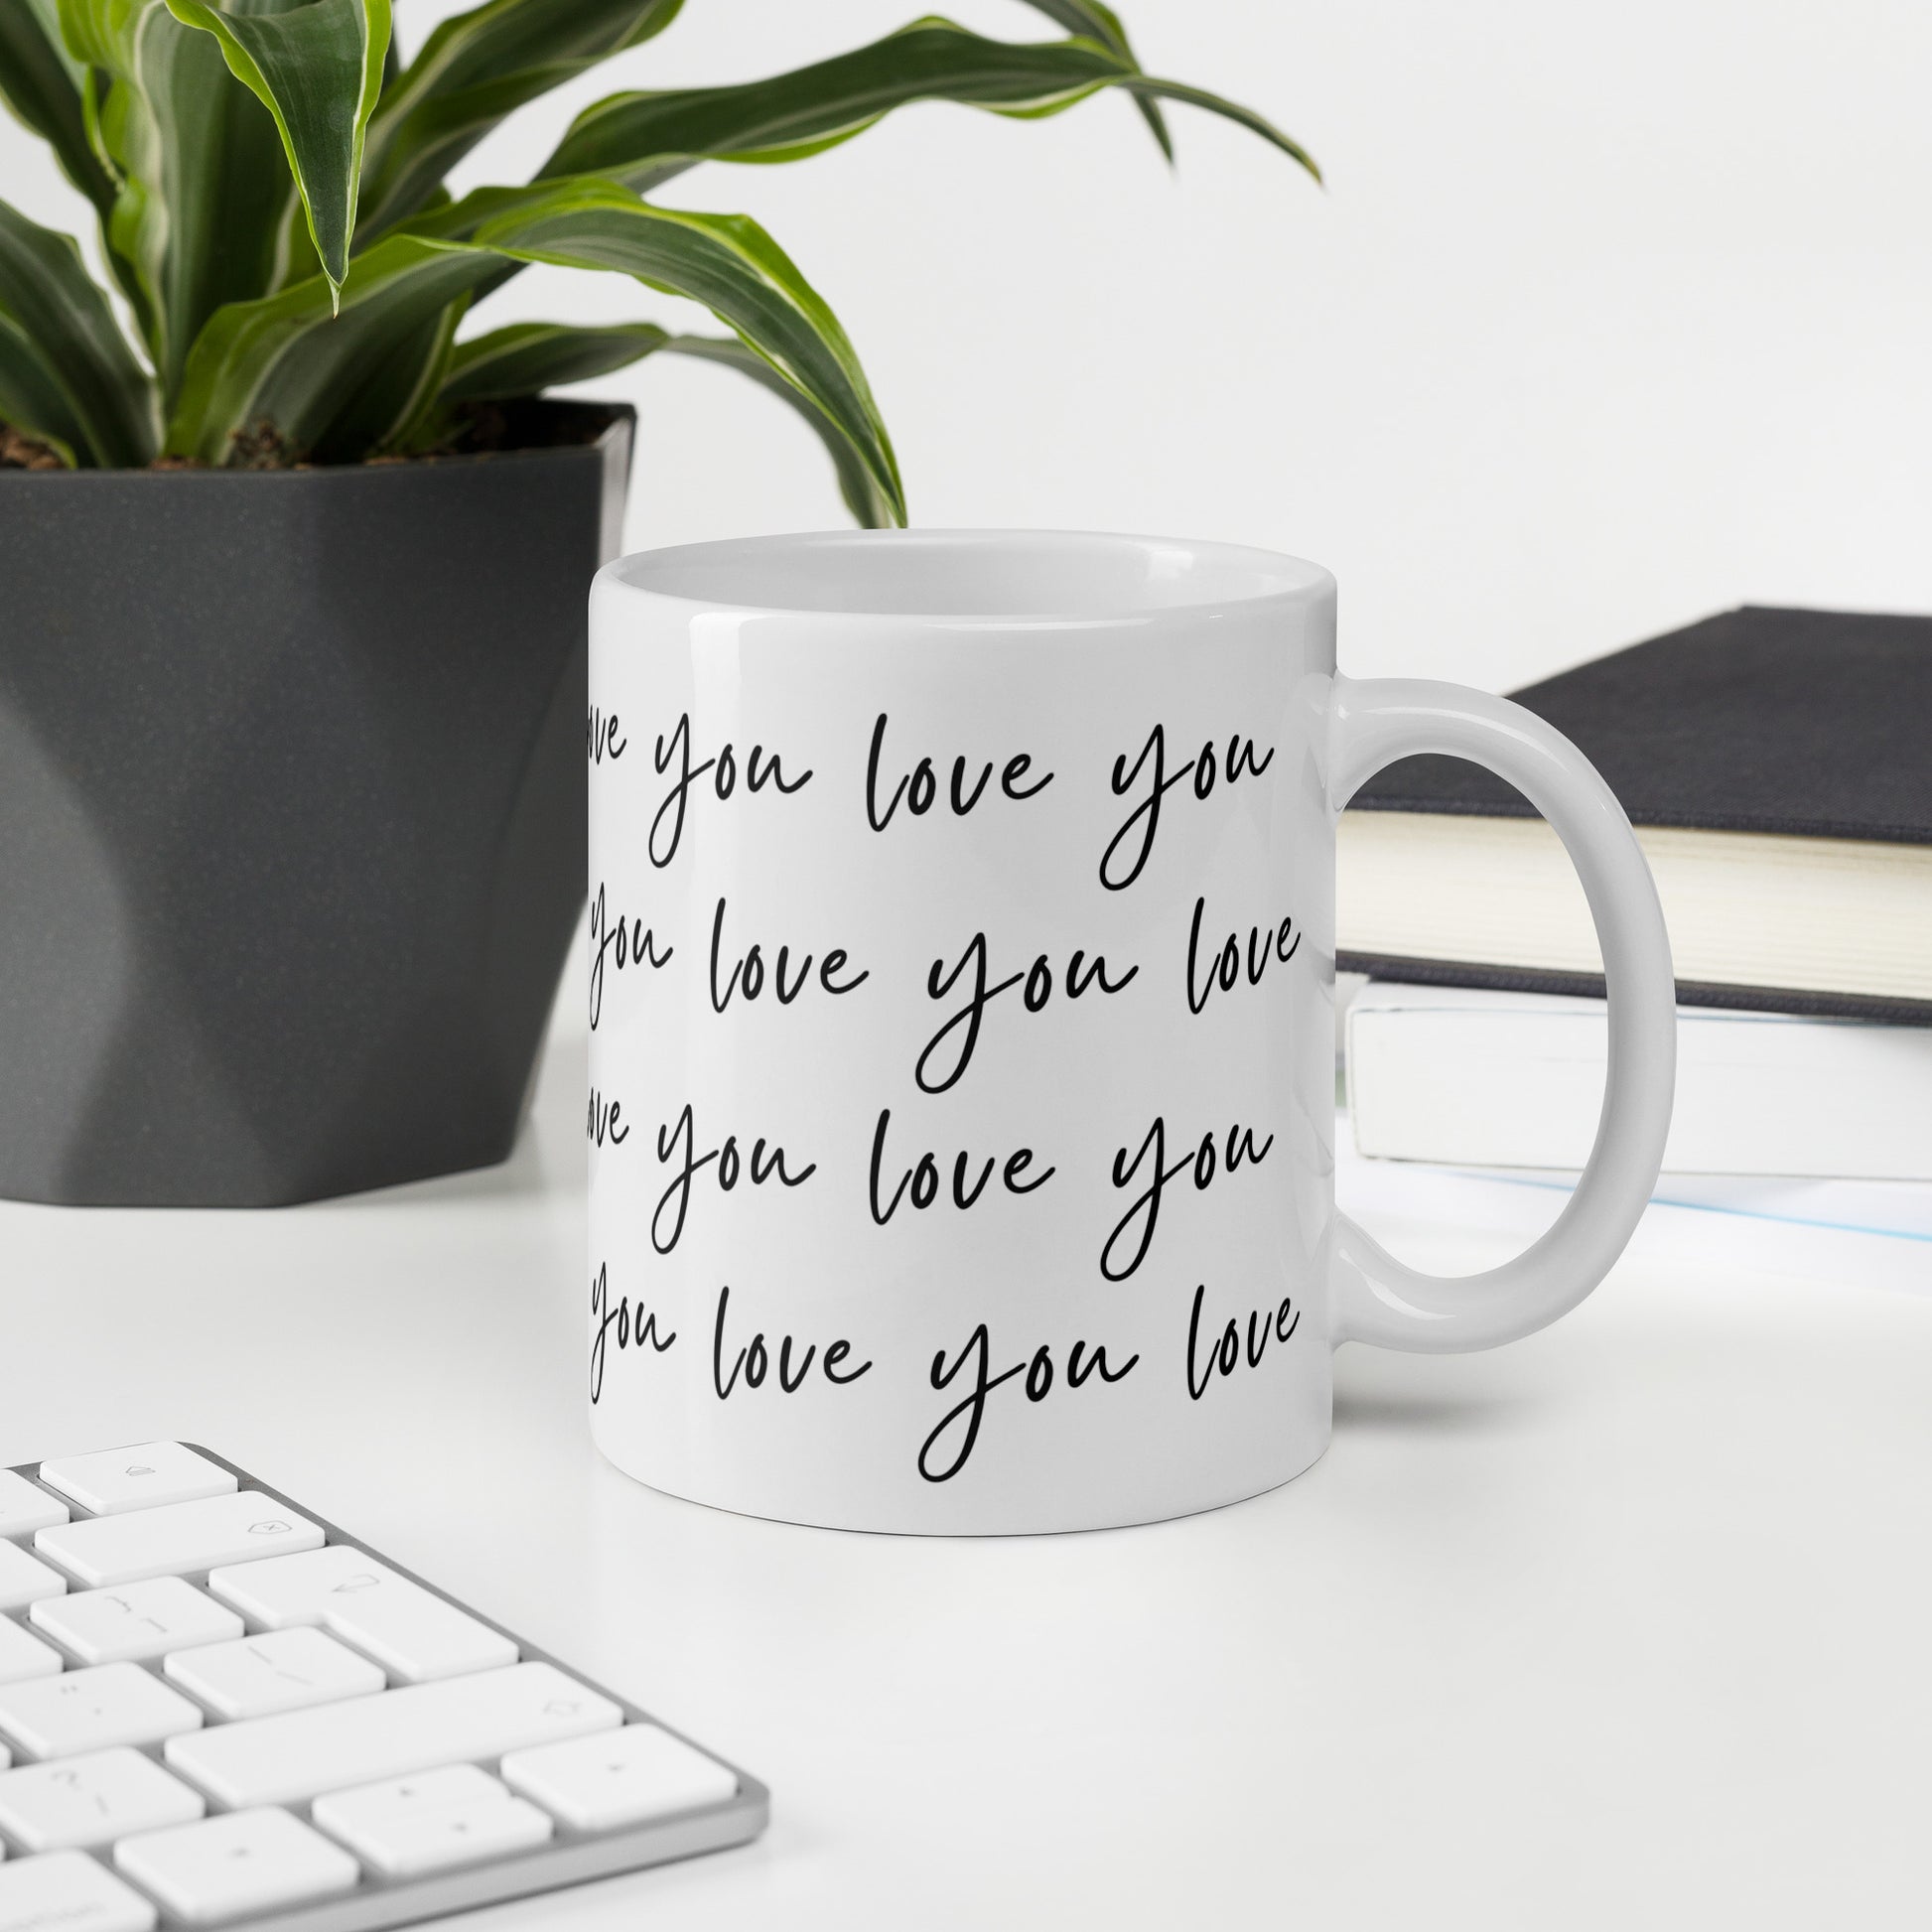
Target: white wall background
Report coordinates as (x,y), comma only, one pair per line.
(1605,321)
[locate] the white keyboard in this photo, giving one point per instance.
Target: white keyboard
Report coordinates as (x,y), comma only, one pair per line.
(215,1708)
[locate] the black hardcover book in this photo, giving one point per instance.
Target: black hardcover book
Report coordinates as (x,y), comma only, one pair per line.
(1778,767)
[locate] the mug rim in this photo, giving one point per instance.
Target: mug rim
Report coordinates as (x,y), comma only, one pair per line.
(1129,579)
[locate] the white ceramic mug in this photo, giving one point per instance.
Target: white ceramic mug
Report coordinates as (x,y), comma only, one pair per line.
(962,1048)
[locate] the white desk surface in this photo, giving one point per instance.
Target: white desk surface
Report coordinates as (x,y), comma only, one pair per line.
(1629,1625)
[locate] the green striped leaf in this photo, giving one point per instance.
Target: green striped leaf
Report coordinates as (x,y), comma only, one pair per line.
(300,368)
(1146,86)
(40,83)
(66,352)
(642,139)
(731,265)
(282,364)
(317,67)
(868,503)
(401,407)
(1089,20)
(206,212)
(32,399)
(726,261)
(472,71)
(529,356)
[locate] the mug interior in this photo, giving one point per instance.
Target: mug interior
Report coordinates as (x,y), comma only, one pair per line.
(1030,576)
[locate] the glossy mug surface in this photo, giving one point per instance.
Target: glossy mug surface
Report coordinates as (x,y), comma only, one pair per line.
(961,995)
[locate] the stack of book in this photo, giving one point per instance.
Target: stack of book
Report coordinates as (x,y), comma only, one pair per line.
(1777,765)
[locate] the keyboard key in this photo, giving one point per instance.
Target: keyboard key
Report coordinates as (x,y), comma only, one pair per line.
(226,1868)
(215,1713)
(176,1539)
(455,1787)
(621,1777)
(92,1709)
(302,1753)
(25,1508)
(411,1631)
(24,1655)
(67,1891)
(283,1670)
(77,1802)
(138,1622)
(112,1481)
(406,1827)
(24,1580)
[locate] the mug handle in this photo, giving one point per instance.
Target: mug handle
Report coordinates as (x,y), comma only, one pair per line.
(1374,1297)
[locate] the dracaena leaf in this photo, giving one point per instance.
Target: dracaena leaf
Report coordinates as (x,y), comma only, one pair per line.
(731,265)
(403,404)
(472,71)
(317,67)
(643,139)
(1092,21)
(61,316)
(32,399)
(201,215)
(1147,86)
(282,362)
(529,356)
(40,83)
(869,504)
(290,366)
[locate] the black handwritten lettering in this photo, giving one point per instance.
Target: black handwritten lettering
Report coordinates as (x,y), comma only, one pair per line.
(754,1360)
(921,1182)
(1224,966)
(1227,1354)
(621,943)
(1203,1159)
(970,1410)
(921,786)
(678,1141)
(1078,1370)
(601,737)
(1037,982)
(663,841)
(1134,841)
(1016,769)
(746,977)
(605,1121)
(630,1320)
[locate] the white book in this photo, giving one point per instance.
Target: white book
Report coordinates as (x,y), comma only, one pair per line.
(1482,1078)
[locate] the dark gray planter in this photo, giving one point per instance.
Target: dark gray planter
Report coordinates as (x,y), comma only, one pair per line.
(291,800)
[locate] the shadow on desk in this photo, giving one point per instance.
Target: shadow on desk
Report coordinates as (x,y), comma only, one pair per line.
(1385,1412)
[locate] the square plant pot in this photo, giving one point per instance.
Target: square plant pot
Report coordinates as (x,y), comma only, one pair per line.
(291,813)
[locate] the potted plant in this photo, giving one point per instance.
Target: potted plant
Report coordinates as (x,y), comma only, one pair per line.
(292,646)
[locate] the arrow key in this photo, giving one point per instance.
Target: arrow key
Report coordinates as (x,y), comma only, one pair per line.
(404,1827)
